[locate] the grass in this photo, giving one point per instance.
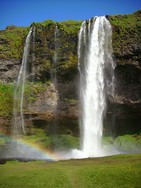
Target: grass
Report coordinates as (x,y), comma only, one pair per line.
(114,171)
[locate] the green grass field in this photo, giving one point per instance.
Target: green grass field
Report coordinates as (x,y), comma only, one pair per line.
(107,172)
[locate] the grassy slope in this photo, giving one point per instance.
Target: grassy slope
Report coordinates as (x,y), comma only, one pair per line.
(115,171)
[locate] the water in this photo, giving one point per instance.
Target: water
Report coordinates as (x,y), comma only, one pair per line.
(96,68)
(54,76)
(55,58)
(18,118)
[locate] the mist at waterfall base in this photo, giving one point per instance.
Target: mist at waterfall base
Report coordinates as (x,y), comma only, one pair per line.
(96,68)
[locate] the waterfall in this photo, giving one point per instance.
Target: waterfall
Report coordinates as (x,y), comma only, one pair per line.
(96,68)
(18,118)
(56,44)
(54,76)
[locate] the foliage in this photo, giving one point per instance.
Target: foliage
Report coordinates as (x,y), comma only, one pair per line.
(45,23)
(71,100)
(6,99)
(52,141)
(127,20)
(107,140)
(126,33)
(114,171)
(63,142)
(12,41)
(125,143)
(128,143)
(65,45)
(32,90)
(2,140)
(70,26)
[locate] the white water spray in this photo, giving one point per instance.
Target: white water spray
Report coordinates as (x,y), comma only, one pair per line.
(18,118)
(96,68)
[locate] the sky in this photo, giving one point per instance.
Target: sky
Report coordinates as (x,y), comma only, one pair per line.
(24,12)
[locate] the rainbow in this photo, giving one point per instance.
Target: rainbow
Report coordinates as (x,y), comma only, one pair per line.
(30,150)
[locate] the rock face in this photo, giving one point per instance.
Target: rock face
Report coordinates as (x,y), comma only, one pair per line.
(53,58)
(126,104)
(9,70)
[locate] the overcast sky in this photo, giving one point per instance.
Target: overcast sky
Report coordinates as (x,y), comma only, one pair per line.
(24,12)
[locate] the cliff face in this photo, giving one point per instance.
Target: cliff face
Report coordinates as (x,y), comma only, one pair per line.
(127,48)
(126,105)
(60,78)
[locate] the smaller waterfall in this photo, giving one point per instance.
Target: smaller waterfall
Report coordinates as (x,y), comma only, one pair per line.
(54,66)
(33,39)
(56,33)
(96,68)
(18,118)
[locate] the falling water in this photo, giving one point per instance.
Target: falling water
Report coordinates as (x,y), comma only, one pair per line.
(18,118)
(96,68)
(56,44)
(54,76)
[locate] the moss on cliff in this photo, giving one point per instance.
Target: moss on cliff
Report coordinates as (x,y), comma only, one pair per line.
(12,41)
(6,99)
(126,35)
(32,91)
(62,44)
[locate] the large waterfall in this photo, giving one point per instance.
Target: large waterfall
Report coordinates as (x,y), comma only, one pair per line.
(96,68)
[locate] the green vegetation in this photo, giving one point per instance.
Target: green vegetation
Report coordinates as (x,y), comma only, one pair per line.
(38,136)
(71,100)
(65,45)
(127,20)
(6,99)
(128,142)
(3,140)
(12,41)
(118,171)
(126,34)
(126,39)
(32,91)
(70,26)
(45,23)
(42,138)
(62,142)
